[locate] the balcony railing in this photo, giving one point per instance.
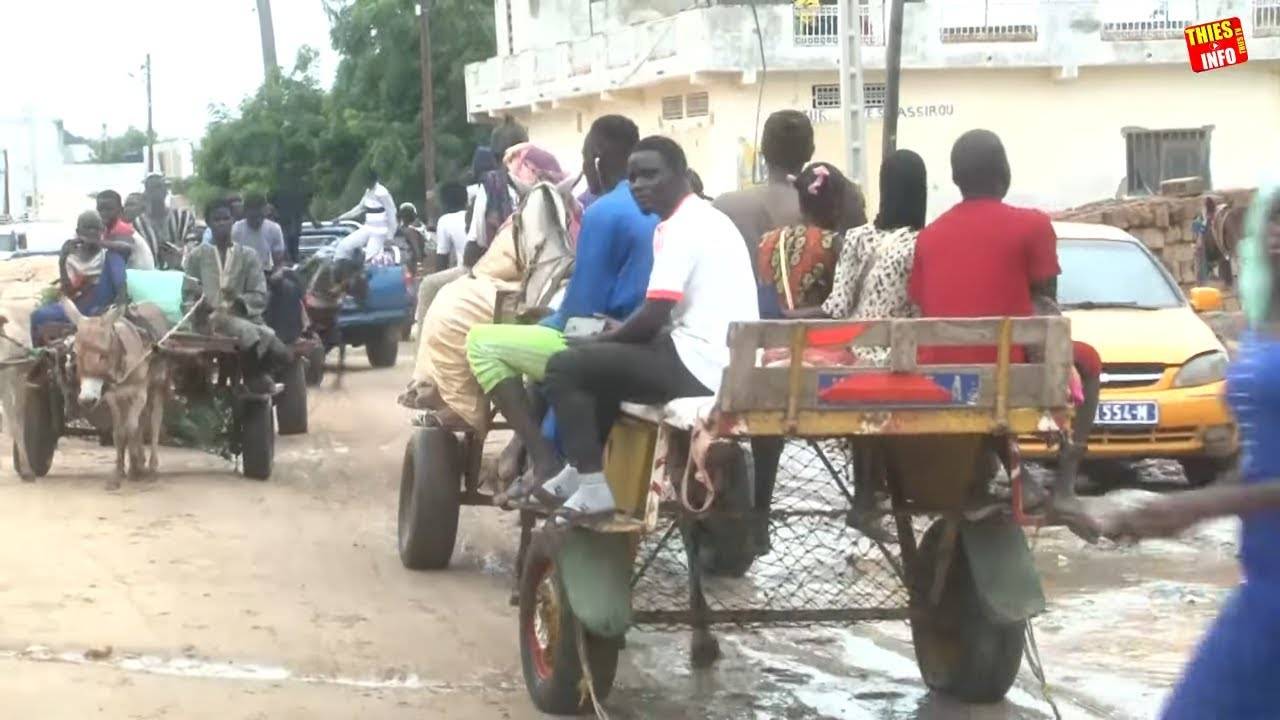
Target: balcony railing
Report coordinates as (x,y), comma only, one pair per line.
(1266,17)
(819,26)
(1152,20)
(990,21)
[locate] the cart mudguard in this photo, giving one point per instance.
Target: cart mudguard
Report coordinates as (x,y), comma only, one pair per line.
(1003,570)
(595,569)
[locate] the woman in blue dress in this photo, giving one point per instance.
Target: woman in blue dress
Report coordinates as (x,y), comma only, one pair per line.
(1233,675)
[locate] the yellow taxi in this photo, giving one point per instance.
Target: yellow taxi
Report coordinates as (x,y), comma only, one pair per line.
(1163,369)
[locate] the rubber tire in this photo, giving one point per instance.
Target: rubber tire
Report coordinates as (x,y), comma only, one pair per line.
(315,366)
(384,347)
(430,496)
(558,692)
(1204,471)
(41,433)
(291,403)
(959,650)
(257,438)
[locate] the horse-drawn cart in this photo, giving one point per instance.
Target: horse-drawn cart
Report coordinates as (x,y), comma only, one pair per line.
(204,367)
(935,435)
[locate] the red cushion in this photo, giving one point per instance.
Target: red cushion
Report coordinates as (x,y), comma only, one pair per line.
(885,388)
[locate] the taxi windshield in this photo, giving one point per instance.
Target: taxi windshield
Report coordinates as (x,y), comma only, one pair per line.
(1112,274)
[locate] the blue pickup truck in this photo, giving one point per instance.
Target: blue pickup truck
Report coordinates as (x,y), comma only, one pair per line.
(380,321)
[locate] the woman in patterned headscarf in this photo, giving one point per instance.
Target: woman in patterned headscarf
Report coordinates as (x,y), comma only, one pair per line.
(1233,672)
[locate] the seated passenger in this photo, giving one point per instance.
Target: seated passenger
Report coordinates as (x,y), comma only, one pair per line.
(234,297)
(983,258)
(611,270)
(119,236)
(264,236)
(89,275)
(534,263)
(701,282)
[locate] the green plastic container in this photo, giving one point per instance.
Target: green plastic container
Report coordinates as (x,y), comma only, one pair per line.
(163,288)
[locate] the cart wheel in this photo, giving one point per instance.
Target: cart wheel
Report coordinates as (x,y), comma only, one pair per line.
(430,493)
(315,365)
(384,347)
(549,640)
(257,438)
(291,404)
(40,430)
(959,650)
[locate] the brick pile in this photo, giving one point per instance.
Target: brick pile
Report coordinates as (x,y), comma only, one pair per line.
(1162,223)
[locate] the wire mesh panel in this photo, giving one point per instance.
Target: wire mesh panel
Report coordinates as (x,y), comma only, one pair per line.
(820,569)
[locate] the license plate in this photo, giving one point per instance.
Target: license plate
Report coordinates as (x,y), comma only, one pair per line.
(1127,413)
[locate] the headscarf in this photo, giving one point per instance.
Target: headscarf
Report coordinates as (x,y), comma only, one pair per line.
(530,164)
(904,191)
(1255,262)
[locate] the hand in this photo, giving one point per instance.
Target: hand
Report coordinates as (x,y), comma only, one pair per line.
(1163,517)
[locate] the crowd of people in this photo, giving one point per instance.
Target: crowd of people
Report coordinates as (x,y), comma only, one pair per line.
(660,271)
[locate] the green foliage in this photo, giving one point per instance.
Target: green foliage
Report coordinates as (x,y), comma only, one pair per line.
(293,135)
(128,147)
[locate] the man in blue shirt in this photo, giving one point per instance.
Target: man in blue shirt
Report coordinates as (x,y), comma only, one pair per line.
(611,272)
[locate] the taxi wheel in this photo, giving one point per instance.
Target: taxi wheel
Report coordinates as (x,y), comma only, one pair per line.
(1204,471)
(553,669)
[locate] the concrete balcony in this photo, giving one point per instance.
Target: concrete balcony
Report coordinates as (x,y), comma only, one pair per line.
(720,40)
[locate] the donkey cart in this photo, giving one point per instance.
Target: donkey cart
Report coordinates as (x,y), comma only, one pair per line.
(932,436)
(203,366)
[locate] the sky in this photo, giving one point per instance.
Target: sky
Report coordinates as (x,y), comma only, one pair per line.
(72,59)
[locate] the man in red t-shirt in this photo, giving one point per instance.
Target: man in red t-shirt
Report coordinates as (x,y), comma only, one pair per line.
(983,258)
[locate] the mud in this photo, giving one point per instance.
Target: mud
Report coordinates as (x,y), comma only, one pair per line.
(220,597)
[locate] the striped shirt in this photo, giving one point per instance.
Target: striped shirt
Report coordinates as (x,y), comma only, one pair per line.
(173,231)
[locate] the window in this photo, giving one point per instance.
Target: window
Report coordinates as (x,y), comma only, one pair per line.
(1112,272)
(673,107)
(826,96)
(697,105)
(873,95)
(1153,156)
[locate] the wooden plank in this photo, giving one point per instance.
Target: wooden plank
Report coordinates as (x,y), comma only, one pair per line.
(901,422)
(1058,360)
(903,347)
(769,388)
(743,347)
(928,331)
(795,373)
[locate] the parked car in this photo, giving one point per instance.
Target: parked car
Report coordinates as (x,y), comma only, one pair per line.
(1163,369)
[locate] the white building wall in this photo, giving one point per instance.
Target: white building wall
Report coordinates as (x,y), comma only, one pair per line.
(1063,136)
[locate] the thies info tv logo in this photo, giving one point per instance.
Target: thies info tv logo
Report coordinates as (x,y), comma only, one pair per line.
(1216,44)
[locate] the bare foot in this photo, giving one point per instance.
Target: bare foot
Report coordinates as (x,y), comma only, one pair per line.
(1070,511)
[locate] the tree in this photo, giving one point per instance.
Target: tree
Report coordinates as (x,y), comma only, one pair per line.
(378,92)
(291,131)
(274,141)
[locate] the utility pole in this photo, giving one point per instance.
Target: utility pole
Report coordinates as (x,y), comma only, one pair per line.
(428,107)
(893,79)
(267,29)
(5,154)
(853,124)
(151,133)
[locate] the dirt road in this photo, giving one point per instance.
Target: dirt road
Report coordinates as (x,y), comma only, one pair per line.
(204,595)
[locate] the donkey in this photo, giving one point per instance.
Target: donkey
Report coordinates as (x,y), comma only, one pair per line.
(13,398)
(115,363)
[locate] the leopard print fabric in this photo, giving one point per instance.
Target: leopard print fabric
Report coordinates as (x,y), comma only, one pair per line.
(883,291)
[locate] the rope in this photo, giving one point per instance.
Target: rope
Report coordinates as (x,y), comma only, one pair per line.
(581,641)
(1032,651)
(157,344)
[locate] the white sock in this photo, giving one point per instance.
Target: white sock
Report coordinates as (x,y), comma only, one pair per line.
(593,495)
(564,484)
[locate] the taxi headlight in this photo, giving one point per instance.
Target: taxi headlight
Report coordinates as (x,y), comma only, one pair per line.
(1202,370)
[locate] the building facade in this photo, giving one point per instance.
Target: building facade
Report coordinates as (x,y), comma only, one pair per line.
(1093,98)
